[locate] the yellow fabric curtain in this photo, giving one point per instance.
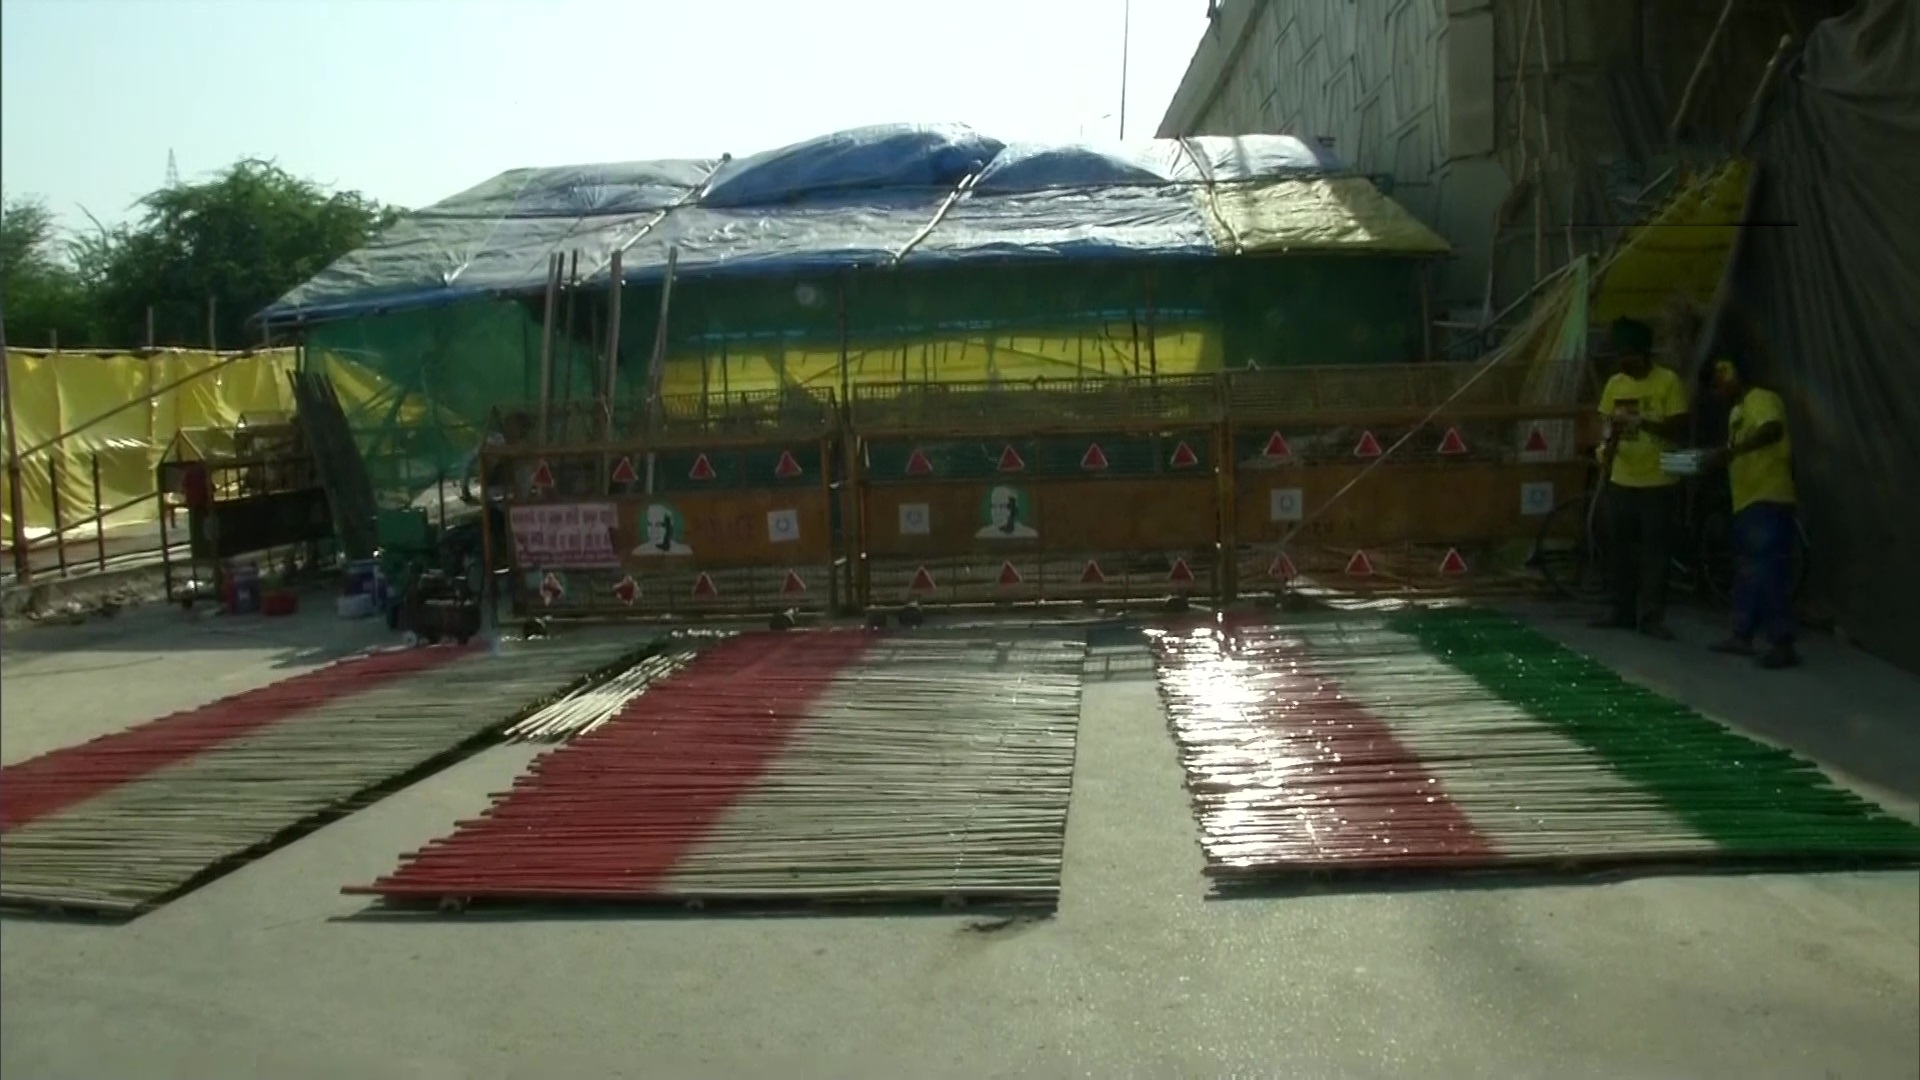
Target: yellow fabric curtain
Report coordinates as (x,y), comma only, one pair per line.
(68,393)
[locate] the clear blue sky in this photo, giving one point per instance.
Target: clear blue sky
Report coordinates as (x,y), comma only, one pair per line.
(413,100)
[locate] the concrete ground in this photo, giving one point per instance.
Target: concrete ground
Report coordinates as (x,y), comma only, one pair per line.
(270,972)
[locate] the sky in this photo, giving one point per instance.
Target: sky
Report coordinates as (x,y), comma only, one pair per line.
(411,101)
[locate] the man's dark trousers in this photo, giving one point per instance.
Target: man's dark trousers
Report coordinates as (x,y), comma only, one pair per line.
(1763,535)
(1639,550)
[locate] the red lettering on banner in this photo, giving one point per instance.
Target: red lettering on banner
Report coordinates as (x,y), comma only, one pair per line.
(566,535)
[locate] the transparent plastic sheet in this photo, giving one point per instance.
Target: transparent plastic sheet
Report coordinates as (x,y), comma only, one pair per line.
(1832,297)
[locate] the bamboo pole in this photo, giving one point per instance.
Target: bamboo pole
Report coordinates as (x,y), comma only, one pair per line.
(59,529)
(616,286)
(656,360)
(1699,69)
(555,266)
(572,290)
(99,519)
(16,500)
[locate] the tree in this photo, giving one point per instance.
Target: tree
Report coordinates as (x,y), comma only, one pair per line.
(241,239)
(44,296)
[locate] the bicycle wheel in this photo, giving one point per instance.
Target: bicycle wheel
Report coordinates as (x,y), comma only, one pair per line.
(1567,551)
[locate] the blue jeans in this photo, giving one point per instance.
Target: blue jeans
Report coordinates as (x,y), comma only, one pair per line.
(1763,535)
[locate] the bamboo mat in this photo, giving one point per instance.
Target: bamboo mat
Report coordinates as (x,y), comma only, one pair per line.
(795,767)
(150,839)
(942,768)
(1459,740)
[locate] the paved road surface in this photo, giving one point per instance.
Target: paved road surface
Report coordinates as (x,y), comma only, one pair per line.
(269,971)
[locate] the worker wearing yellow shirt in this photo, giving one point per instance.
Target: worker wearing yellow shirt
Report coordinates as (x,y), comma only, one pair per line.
(1644,409)
(1759,461)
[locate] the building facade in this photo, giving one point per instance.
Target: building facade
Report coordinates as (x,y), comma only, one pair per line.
(1521,130)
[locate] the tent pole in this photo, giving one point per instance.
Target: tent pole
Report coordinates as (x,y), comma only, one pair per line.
(555,265)
(616,284)
(22,560)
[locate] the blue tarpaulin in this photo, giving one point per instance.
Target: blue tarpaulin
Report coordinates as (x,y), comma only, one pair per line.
(895,195)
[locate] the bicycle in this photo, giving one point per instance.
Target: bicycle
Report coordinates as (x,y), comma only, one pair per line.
(1570,548)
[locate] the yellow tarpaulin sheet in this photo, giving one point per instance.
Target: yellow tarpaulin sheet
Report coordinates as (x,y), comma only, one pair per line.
(1343,214)
(1107,352)
(1679,253)
(56,393)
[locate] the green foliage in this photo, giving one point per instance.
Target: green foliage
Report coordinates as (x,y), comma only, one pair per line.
(241,239)
(42,293)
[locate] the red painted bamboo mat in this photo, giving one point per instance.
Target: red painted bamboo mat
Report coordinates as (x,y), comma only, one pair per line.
(1286,769)
(52,782)
(608,815)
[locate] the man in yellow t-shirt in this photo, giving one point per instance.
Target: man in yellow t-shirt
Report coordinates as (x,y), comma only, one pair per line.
(1644,409)
(1759,462)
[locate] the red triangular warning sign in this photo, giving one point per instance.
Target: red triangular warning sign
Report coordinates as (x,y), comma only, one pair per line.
(703,588)
(1009,575)
(542,477)
(623,471)
(1277,448)
(1281,568)
(1453,564)
(1183,457)
(793,584)
(1359,565)
(922,581)
(626,590)
(1536,441)
(1452,443)
(788,467)
(1092,575)
(917,463)
(1181,574)
(1095,459)
(1011,461)
(1367,447)
(702,469)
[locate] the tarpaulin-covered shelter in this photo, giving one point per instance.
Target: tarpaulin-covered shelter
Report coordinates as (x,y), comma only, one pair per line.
(1828,284)
(891,254)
